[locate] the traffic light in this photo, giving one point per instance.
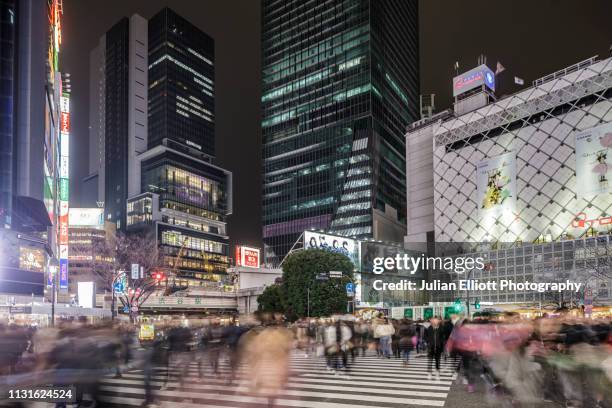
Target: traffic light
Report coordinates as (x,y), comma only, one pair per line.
(458,306)
(477,304)
(158,276)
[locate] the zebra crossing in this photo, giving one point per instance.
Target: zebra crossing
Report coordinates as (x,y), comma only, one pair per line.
(370,382)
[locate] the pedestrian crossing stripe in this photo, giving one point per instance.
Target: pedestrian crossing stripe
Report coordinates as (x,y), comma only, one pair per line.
(331,379)
(370,382)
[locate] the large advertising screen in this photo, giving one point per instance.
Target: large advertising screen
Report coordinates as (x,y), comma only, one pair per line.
(496,184)
(594,161)
(86,217)
(342,245)
(86,294)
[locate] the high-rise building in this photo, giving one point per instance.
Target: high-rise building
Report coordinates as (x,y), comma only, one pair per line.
(181,83)
(162,181)
(93,186)
(185,198)
(30,165)
(340,84)
(8,40)
(118,116)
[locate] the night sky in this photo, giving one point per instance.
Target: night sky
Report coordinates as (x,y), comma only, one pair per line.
(530,38)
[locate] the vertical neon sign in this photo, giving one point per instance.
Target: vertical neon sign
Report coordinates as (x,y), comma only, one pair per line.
(63,189)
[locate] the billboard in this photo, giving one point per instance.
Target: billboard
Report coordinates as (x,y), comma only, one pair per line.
(496,184)
(342,245)
(474,78)
(63,274)
(52,271)
(594,160)
(78,217)
(31,259)
(64,193)
(65,122)
(86,294)
(247,256)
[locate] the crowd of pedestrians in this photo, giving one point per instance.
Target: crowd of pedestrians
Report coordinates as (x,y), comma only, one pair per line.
(563,360)
(341,339)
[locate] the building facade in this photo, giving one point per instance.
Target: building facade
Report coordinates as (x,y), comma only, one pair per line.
(30,163)
(89,236)
(340,84)
(117,117)
(525,177)
(154,126)
(181,83)
(185,202)
(93,186)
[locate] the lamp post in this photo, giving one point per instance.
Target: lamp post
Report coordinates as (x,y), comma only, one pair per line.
(468,293)
(53,268)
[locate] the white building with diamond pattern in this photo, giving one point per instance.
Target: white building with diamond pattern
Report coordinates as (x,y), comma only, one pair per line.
(509,172)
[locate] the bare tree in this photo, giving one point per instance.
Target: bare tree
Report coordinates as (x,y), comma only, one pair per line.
(113,260)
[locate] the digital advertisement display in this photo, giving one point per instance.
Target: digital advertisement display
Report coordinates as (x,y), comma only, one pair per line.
(594,161)
(496,184)
(86,294)
(83,217)
(333,243)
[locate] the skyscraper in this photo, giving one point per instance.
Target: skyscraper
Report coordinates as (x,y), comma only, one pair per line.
(181,78)
(340,84)
(122,90)
(154,112)
(185,198)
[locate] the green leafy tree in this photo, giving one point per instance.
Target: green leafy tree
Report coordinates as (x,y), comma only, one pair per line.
(300,270)
(272,299)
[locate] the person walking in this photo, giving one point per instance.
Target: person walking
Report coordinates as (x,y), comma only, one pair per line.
(435,346)
(407,339)
(384,332)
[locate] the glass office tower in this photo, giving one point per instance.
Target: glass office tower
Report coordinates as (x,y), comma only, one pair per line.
(8,31)
(181,83)
(117,117)
(340,84)
(182,196)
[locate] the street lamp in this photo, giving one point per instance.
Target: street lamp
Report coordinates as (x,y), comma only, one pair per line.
(52,270)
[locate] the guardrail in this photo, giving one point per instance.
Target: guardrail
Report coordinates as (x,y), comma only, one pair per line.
(562,72)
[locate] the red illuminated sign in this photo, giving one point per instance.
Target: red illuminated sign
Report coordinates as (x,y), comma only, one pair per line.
(65,122)
(246,256)
(581,221)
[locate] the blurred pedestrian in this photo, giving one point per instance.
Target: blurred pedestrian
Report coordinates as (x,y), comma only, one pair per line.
(384,332)
(435,345)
